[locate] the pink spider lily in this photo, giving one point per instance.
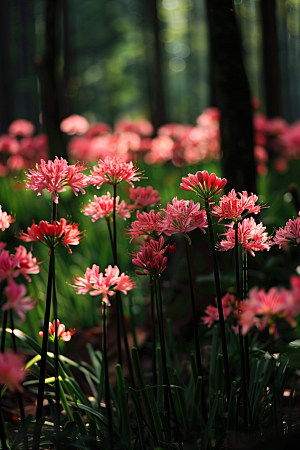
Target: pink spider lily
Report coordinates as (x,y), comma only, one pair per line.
(55,176)
(5,220)
(143,196)
(62,334)
(12,265)
(203,184)
(236,206)
(53,234)
(183,216)
(102,207)
(106,284)
(290,234)
(12,372)
(113,170)
(15,299)
(21,127)
(74,124)
(251,237)
(212,313)
(262,308)
(146,223)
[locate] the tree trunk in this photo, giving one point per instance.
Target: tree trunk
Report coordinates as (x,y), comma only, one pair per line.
(270,58)
(232,96)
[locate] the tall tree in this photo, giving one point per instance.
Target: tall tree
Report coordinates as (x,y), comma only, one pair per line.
(47,72)
(154,61)
(270,58)
(232,95)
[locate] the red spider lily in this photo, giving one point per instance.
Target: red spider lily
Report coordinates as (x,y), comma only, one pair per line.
(113,170)
(203,184)
(151,257)
(106,284)
(62,334)
(16,300)
(143,196)
(251,237)
(146,223)
(290,234)
(55,176)
(183,216)
(53,234)
(233,205)
(102,207)
(5,220)
(12,371)
(21,127)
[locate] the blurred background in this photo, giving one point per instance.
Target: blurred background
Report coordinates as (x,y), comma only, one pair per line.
(223,75)
(114,58)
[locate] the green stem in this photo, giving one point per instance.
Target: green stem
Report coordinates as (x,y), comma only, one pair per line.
(19,396)
(154,372)
(196,333)
(245,295)
(164,359)
(2,428)
(107,394)
(3,336)
(120,310)
(56,359)
(40,399)
(219,301)
(241,340)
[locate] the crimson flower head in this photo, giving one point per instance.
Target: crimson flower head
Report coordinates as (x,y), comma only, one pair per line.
(113,170)
(290,234)
(203,184)
(236,206)
(146,223)
(55,176)
(53,234)
(62,334)
(16,299)
(12,371)
(106,284)
(143,196)
(251,236)
(5,220)
(102,207)
(183,216)
(151,258)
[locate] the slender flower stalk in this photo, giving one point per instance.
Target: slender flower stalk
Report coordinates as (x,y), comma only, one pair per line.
(56,358)
(41,388)
(245,295)
(19,396)
(219,301)
(114,250)
(106,378)
(196,334)
(154,372)
(241,340)
(164,356)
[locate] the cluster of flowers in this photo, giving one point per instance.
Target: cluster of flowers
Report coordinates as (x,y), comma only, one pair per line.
(260,310)
(19,149)
(182,144)
(97,283)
